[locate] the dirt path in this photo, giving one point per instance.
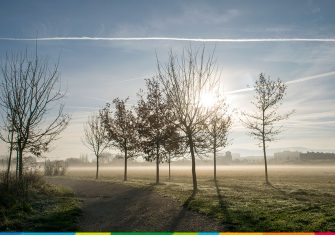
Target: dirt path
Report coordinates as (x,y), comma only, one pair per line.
(116,207)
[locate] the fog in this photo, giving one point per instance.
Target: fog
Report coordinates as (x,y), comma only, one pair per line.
(206,171)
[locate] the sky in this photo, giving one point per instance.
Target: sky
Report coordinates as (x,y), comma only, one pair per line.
(94,72)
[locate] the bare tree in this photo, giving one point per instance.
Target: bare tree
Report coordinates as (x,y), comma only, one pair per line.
(30,89)
(154,124)
(186,80)
(8,135)
(95,138)
(121,129)
(262,123)
(217,128)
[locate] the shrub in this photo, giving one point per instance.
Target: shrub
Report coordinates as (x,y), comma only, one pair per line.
(54,168)
(19,187)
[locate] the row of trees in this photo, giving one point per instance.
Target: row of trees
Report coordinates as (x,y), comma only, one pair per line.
(182,111)
(170,117)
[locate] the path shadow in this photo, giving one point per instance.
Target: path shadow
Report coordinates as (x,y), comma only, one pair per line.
(222,203)
(237,218)
(298,194)
(277,188)
(224,208)
(176,220)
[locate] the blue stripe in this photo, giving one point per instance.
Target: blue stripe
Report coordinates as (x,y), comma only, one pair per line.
(46,233)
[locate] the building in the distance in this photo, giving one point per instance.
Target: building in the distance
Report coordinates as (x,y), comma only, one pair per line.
(228,157)
(290,156)
(224,158)
(286,156)
(317,156)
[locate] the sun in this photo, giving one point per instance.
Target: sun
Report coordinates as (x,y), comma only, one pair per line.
(207,100)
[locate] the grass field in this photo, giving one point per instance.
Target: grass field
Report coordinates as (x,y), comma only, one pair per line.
(301,198)
(44,208)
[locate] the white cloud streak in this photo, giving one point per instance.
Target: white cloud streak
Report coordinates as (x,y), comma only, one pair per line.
(171,39)
(298,80)
(240,91)
(218,40)
(317,76)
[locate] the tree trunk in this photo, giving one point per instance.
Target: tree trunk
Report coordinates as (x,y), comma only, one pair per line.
(97,173)
(17,165)
(20,163)
(125,165)
(265,163)
(194,174)
(264,152)
(10,158)
(169,167)
(8,167)
(215,163)
(214,150)
(157,164)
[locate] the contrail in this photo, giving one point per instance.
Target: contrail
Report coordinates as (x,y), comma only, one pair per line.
(240,90)
(171,39)
(311,77)
(191,40)
(298,80)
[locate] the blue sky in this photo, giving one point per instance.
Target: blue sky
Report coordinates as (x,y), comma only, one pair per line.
(94,72)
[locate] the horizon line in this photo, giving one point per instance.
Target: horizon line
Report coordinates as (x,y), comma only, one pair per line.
(85,38)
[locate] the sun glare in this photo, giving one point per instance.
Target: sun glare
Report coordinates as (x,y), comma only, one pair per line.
(207,100)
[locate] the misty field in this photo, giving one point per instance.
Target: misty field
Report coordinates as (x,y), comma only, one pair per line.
(300,198)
